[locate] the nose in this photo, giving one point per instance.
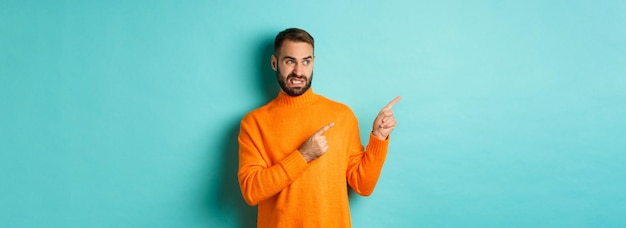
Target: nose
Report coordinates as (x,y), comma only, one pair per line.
(297,69)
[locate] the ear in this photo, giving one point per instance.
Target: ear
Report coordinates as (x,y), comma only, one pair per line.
(274,62)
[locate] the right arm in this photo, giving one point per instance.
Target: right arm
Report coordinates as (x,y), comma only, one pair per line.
(258,180)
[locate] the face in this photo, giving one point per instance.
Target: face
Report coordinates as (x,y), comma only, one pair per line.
(294,67)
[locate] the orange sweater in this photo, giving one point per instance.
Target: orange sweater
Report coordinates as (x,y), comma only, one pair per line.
(289,191)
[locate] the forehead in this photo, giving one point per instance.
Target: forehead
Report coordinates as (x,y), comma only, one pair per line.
(296,49)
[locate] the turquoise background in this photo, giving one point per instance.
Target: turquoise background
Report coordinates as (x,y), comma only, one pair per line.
(125,113)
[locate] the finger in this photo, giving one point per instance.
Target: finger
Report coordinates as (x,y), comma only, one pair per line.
(384,114)
(391,104)
(388,122)
(388,125)
(324,129)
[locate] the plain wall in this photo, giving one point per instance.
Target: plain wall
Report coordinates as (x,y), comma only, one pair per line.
(126,113)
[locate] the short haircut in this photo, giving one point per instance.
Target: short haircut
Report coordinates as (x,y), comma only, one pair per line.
(293,34)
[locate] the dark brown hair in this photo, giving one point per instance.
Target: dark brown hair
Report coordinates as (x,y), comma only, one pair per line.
(293,34)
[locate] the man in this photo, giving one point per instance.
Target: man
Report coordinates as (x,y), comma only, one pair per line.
(297,152)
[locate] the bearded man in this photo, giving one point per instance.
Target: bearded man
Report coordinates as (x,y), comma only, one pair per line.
(297,152)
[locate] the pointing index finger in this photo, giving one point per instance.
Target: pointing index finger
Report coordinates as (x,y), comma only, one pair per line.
(391,104)
(325,128)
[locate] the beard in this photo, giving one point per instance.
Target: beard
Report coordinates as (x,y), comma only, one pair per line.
(293,91)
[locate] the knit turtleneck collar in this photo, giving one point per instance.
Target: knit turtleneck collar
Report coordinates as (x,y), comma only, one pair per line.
(306,98)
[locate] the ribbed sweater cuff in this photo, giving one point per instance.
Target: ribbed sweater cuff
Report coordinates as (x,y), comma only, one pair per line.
(376,145)
(293,164)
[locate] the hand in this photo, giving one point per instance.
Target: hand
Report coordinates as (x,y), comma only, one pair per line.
(316,145)
(385,122)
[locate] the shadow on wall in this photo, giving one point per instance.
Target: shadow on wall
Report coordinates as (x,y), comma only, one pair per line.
(229,195)
(268,82)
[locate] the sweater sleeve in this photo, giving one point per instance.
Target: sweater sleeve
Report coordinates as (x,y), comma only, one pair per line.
(364,167)
(257,179)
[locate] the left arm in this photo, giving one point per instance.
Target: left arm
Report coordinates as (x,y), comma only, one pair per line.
(364,167)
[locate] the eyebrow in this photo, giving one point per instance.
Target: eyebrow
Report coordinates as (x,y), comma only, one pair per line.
(294,58)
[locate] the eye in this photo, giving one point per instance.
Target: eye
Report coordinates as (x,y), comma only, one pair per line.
(307,62)
(290,62)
